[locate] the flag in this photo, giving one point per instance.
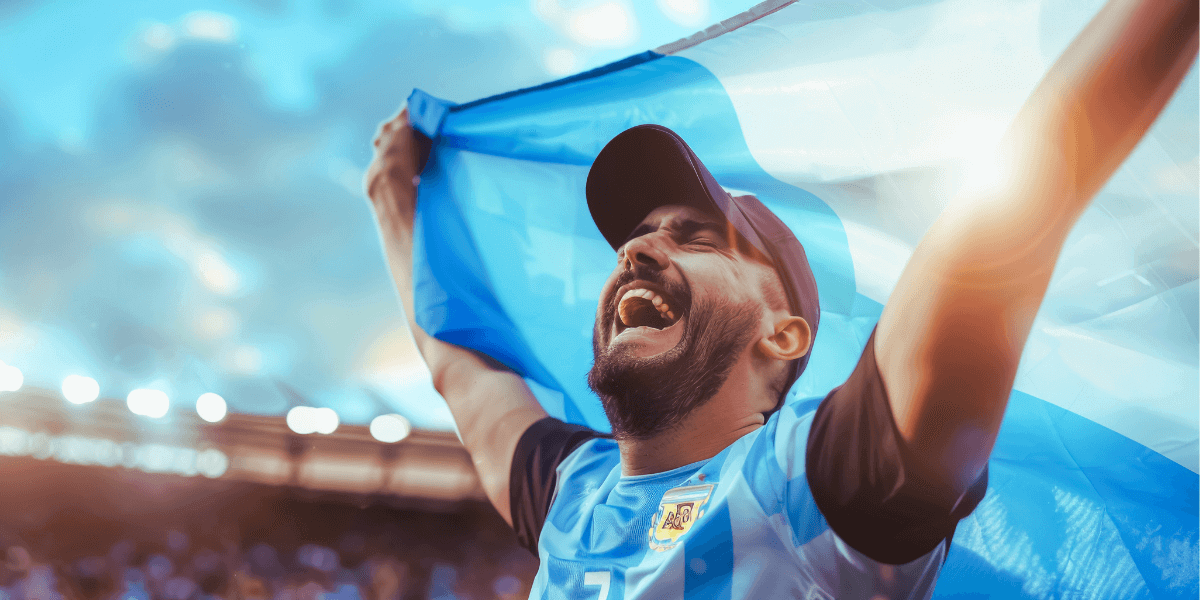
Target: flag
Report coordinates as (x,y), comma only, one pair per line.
(855,122)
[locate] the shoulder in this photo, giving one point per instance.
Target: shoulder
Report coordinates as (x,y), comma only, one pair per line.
(549,455)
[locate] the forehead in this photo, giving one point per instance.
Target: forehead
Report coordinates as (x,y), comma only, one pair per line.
(678,213)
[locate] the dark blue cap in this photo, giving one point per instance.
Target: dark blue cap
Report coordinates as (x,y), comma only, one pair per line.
(649,166)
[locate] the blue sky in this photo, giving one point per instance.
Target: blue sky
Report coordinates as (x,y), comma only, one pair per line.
(180,202)
(60,55)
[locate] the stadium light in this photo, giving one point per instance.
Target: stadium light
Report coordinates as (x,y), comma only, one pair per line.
(211,407)
(390,429)
(299,420)
(327,420)
(212,463)
(148,403)
(307,419)
(78,389)
(11,378)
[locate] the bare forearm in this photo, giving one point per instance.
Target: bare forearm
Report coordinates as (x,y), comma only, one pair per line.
(491,405)
(395,220)
(1100,97)
(950,338)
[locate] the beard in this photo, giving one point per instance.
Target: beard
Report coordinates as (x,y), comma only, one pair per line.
(646,396)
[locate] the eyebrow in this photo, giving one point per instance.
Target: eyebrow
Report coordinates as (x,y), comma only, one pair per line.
(685,228)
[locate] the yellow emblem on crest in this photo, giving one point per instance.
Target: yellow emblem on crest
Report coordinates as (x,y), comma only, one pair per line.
(679,509)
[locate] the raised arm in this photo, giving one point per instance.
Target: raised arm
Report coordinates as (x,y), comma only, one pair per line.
(492,406)
(950,338)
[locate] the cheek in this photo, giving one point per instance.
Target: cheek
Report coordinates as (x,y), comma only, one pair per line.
(736,283)
(606,292)
(739,286)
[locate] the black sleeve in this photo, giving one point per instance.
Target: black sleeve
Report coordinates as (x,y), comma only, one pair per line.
(532,481)
(863,481)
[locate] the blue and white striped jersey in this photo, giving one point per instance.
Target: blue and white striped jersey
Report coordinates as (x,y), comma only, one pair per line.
(817,503)
(742,524)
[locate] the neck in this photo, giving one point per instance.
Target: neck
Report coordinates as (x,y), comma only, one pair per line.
(703,434)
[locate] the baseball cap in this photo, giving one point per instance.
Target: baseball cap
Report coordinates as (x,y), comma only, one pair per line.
(649,166)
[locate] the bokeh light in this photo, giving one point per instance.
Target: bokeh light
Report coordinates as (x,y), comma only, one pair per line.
(327,420)
(299,419)
(211,407)
(690,13)
(86,450)
(80,389)
(307,419)
(212,463)
(11,378)
(608,24)
(148,403)
(390,429)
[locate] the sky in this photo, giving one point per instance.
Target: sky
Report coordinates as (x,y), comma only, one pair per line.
(180,183)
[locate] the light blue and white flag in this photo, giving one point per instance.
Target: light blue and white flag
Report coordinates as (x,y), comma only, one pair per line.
(853,120)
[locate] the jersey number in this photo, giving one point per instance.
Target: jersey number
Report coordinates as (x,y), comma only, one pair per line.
(600,578)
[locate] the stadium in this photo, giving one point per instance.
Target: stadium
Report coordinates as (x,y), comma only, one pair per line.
(223,372)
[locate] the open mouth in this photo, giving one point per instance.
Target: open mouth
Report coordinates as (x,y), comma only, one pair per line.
(644,307)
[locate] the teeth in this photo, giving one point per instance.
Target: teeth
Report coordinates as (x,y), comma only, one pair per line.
(643,293)
(660,304)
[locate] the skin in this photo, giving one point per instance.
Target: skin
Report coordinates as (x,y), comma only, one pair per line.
(951,334)
(950,337)
(713,267)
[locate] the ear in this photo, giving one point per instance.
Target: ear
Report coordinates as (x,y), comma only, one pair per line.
(791,340)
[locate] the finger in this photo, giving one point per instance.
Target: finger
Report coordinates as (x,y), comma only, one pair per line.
(381,135)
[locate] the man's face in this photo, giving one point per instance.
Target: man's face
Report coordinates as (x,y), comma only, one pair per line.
(682,305)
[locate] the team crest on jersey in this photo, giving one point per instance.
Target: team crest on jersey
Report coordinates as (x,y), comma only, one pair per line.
(679,509)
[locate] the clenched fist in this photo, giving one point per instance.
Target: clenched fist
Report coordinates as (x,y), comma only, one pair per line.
(391,179)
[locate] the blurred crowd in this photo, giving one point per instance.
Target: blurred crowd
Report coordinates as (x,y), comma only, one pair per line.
(268,543)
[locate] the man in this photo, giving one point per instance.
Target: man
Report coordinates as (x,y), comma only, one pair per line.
(709,486)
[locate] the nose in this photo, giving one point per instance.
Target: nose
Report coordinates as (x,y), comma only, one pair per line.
(645,251)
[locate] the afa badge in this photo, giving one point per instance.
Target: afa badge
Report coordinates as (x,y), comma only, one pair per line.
(679,509)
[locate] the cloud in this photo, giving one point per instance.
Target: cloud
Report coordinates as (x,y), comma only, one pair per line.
(689,13)
(610,24)
(212,239)
(211,26)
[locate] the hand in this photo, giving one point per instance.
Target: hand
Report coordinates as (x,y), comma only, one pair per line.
(391,179)
(391,184)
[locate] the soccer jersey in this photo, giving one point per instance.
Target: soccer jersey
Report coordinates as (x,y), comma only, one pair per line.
(817,503)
